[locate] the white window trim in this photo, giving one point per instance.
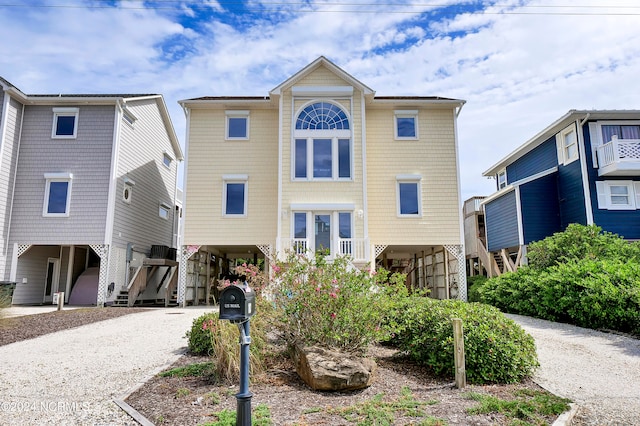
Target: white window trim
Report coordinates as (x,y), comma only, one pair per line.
(409,179)
(65,112)
(413,113)
(502,185)
(226,179)
(603,191)
(167,156)
(335,156)
(563,157)
(128,116)
(57,177)
(236,114)
(164,207)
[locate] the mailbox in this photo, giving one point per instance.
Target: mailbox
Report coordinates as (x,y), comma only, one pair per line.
(237,303)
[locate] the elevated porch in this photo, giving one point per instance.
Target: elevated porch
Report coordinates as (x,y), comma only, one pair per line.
(619,157)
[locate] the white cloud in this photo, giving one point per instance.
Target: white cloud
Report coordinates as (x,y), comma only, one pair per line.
(517,72)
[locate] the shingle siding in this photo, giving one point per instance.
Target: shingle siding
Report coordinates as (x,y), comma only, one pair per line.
(141,151)
(88,158)
(502,222)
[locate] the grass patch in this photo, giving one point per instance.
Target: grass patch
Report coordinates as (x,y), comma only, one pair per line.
(191,370)
(527,408)
(382,413)
(260,416)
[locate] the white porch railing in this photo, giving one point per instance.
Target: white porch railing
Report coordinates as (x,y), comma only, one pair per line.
(356,248)
(618,150)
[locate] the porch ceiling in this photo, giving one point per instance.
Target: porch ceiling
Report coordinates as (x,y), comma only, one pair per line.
(232,251)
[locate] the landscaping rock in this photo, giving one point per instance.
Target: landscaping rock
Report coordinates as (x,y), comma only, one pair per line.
(331,370)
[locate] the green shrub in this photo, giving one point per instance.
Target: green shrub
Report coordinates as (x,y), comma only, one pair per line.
(199,338)
(586,292)
(473,284)
(580,242)
(497,350)
(332,304)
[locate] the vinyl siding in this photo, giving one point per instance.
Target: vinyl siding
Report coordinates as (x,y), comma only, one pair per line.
(210,157)
(543,157)
(322,192)
(33,264)
(625,223)
(501,221)
(9,150)
(540,208)
(88,158)
(433,157)
(141,153)
(571,194)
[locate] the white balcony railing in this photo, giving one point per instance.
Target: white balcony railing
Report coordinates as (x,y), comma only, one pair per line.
(617,151)
(356,248)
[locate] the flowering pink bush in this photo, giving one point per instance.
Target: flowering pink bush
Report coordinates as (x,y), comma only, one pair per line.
(331,303)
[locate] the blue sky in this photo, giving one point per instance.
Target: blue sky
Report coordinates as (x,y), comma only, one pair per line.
(519,64)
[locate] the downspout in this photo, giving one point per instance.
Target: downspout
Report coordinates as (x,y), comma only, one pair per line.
(462,276)
(14,265)
(182,271)
(365,197)
(584,170)
(279,219)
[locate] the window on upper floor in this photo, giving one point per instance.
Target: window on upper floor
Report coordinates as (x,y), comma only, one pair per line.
(128,117)
(234,195)
(167,160)
(237,126)
(624,131)
(57,194)
(618,194)
(406,124)
(408,195)
(502,179)
(163,211)
(567,144)
(65,123)
(322,145)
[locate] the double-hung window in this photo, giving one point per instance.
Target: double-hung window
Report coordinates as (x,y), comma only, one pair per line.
(57,194)
(322,144)
(237,125)
(502,179)
(618,194)
(234,195)
(406,124)
(408,195)
(567,141)
(65,123)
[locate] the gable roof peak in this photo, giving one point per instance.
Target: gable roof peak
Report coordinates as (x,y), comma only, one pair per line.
(322,61)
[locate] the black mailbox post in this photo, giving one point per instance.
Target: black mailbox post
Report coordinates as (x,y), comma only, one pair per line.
(238,305)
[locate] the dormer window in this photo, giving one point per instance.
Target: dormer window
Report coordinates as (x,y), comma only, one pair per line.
(65,123)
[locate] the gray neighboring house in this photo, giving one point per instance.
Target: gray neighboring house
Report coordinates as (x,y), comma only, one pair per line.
(88,187)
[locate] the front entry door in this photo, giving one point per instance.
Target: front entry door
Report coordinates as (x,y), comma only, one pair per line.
(51,281)
(323,233)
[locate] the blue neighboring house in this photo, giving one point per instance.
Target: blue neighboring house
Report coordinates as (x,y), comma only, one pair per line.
(583,168)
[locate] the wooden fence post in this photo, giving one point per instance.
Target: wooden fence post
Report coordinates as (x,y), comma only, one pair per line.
(458,356)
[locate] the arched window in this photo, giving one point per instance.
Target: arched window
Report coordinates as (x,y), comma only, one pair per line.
(322,146)
(322,116)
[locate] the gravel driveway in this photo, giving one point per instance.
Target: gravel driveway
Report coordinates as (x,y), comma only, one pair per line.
(71,377)
(598,371)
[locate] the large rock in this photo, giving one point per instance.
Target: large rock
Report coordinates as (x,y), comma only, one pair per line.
(332,370)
